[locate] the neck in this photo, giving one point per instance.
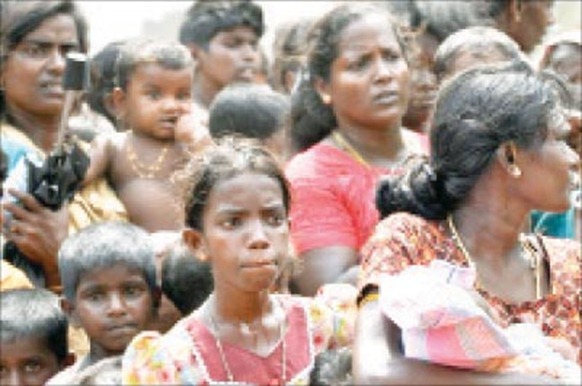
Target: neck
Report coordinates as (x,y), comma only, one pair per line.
(204,90)
(97,353)
(240,308)
(489,223)
(41,129)
(378,147)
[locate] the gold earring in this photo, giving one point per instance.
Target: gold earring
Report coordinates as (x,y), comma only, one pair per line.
(326,98)
(514,170)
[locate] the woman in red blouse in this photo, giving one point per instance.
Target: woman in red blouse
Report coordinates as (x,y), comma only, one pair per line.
(347,120)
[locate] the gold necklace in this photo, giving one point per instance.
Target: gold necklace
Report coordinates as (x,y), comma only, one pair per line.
(345,145)
(534,256)
(143,170)
(216,333)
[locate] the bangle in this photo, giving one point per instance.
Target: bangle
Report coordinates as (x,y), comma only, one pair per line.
(371,297)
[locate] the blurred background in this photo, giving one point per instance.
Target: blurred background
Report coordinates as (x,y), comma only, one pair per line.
(116,20)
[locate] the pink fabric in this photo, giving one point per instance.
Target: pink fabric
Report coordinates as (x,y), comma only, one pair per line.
(332,199)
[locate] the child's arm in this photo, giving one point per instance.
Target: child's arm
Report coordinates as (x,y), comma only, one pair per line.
(100,154)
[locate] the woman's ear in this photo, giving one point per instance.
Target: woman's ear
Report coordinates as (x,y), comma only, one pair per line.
(192,238)
(507,157)
(322,89)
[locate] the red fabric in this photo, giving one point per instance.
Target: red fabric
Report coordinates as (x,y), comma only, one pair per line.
(267,370)
(333,199)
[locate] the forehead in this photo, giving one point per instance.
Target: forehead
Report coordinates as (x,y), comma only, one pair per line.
(240,32)
(245,189)
(57,28)
(367,32)
(156,73)
(110,275)
(25,347)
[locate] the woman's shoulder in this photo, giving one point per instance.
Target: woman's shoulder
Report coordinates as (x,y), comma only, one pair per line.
(403,224)
(320,161)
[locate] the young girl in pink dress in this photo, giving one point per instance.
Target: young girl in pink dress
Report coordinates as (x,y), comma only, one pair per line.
(236,217)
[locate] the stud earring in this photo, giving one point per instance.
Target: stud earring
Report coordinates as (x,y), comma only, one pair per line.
(514,171)
(326,98)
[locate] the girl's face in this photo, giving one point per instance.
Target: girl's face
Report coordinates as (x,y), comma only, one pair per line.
(369,80)
(245,232)
(32,74)
(155,99)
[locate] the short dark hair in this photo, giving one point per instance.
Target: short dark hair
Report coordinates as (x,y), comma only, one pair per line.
(229,158)
(476,112)
(250,110)
(102,245)
(186,280)
(206,18)
(34,313)
(169,55)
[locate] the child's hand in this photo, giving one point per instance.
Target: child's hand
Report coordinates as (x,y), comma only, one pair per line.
(192,129)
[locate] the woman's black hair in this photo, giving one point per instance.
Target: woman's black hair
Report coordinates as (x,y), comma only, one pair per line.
(311,120)
(19,18)
(476,112)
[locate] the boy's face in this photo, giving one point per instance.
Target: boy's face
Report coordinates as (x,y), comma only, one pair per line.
(112,304)
(27,361)
(232,56)
(155,99)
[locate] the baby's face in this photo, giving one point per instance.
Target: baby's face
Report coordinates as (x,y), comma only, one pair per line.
(27,361)
(155,99)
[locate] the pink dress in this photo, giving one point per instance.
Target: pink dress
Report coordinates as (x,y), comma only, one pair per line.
(188,353)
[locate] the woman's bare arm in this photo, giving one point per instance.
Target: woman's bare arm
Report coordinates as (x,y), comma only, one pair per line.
(378,360)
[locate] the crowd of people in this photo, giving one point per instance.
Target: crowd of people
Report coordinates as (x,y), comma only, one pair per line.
(390,196)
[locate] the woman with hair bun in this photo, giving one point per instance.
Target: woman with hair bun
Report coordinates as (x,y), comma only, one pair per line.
(495,157)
